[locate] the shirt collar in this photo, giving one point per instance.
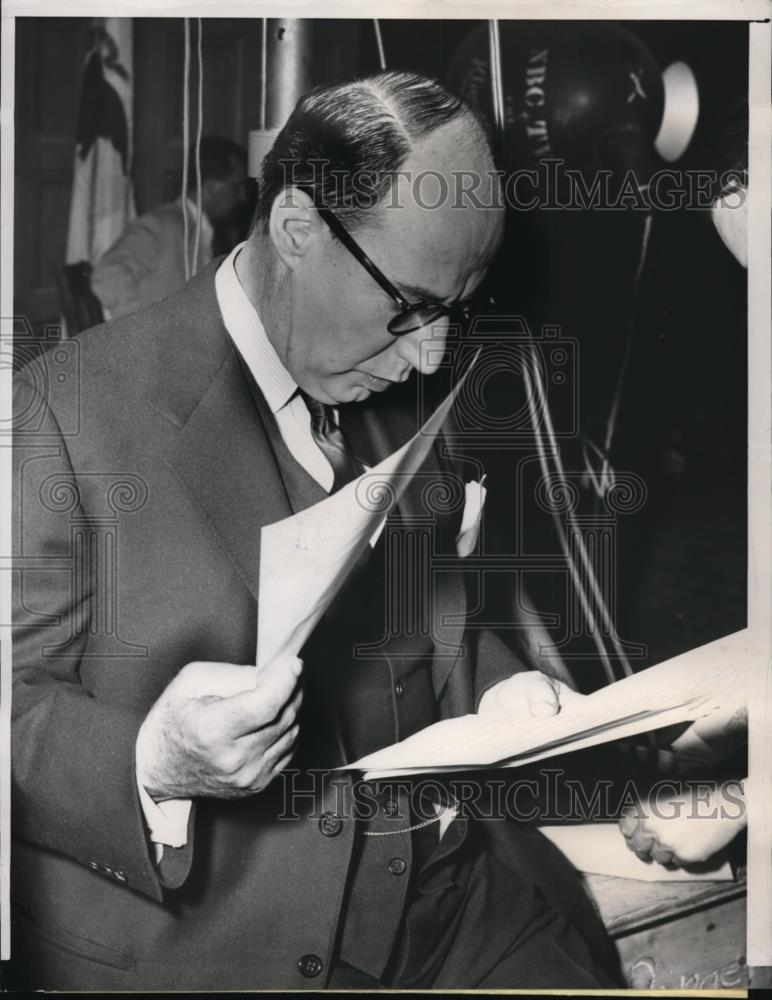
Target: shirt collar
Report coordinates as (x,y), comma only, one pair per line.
(249,336)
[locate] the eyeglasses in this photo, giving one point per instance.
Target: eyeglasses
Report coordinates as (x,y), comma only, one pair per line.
(412,315)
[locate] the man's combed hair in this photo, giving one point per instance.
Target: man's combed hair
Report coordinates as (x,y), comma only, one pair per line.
(343,143)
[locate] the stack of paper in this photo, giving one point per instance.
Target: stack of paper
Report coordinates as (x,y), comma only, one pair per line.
(678,690)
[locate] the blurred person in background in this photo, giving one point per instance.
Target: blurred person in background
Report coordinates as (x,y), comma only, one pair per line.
(147,263)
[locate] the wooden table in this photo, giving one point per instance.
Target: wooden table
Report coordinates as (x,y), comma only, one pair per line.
(675,935)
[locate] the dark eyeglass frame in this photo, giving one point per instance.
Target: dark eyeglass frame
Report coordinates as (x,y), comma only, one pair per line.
(413,315)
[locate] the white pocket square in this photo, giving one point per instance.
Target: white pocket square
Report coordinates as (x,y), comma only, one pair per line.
(468,533)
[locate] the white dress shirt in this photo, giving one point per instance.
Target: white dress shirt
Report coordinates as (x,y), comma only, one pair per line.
(274,381)
(167,821)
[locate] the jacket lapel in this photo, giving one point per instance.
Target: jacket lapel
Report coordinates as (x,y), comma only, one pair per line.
(224,460)
(219,450)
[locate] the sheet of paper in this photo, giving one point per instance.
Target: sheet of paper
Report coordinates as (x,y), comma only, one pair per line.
(677,690)
(305,559)
(643,723)
(600,848)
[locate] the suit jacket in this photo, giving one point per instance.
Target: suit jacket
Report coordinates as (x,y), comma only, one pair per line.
(154,466)
(147,262)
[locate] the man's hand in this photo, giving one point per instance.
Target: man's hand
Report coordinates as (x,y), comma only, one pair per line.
(220,730)
(685,829)
(530,693)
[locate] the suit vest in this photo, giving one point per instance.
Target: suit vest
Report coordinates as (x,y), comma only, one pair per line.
(367,683)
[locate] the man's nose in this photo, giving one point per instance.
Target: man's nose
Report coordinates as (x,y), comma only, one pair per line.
(423,349)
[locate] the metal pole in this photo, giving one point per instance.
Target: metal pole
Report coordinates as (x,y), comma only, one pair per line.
(285,75)
(379,43)
(289,59)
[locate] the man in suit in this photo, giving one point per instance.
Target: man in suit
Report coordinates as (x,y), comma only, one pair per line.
(147,262)
(162,839)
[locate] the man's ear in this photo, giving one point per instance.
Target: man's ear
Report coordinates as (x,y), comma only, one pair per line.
(292,225)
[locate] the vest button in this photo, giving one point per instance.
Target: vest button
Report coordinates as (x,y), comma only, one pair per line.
(310,966)
(397,866)
(399,689)
(391,807)
(330,824)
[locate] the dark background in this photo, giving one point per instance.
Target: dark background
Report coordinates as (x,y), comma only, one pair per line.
(681,559)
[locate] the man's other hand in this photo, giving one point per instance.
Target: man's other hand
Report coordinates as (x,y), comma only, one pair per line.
(220,730)
(530,694)
(685,829)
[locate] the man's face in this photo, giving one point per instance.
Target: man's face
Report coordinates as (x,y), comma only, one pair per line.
(222,197)
(337,347)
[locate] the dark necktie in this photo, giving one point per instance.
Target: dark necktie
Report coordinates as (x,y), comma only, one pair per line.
(330,439)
